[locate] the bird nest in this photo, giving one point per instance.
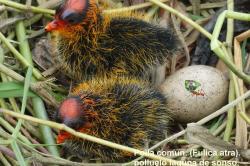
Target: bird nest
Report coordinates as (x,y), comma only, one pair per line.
(31,90)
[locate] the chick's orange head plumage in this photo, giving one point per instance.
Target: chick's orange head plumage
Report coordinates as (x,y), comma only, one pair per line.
(70,13)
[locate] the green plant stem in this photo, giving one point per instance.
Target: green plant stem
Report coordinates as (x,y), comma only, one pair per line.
(230,114)
(23,42)
(216,124)
(37,102)
(36,73)
(9,128)
(24,101)
(230,25)
(220,128)
(12,160)
(4,160)
(40,111)
(233,81)
(18,153)
(1,54)
(26,7)
(218,47)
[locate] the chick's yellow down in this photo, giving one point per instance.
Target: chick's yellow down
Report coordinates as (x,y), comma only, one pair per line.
(90,43)
(122,110)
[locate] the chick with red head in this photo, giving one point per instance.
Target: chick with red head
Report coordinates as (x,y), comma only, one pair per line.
(91,43)
(122,110)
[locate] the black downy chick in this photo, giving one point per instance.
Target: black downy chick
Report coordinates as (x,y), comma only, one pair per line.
(122,110)
(91,43)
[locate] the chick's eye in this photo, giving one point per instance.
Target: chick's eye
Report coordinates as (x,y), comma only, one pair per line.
(71,17)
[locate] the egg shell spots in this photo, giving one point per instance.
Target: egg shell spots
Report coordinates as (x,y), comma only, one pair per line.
(210,95)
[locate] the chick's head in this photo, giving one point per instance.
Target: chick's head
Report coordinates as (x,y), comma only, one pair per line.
(72,16)
(75,112)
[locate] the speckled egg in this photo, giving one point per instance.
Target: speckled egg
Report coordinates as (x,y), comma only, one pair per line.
(195,92)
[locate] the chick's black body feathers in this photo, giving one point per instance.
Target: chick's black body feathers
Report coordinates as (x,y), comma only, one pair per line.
(126,46)
(128,113)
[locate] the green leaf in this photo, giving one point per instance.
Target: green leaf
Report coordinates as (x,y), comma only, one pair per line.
(5,86)
(13,89)
(24,101)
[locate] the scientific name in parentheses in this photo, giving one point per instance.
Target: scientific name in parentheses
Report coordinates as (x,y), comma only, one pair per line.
(210,153)
(204,152)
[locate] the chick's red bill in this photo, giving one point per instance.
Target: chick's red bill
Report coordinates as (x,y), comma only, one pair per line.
(62,136)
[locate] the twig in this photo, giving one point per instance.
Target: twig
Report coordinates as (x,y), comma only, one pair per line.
(181,37)
(9,21)
(208,5)
(36,73)
(131,8)
(10,129)
(50,4)
(196,6)
(7,151)
(241,117)
(26,133)
(4,160)
(26,7)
